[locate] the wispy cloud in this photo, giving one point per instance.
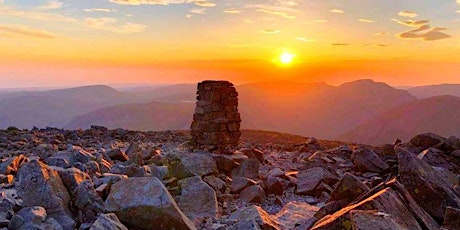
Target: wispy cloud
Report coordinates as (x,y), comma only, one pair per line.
(411,23)
(112,25)
(23,31)
(302,39)
(278,13)
(205,3)
(422,30)
(161,2)
(198,10)
(37,15)
(409,14)
(232,11)
(365,20)
(106,10)
(380,34)
(51,5)
(270,31)
(337,11)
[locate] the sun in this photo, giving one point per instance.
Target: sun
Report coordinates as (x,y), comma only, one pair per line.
(286,58)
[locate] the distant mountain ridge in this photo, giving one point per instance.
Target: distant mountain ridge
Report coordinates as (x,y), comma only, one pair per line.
(435,90)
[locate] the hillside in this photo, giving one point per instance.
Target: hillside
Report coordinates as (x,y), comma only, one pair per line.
(435,90)
(438,115)
(57,107)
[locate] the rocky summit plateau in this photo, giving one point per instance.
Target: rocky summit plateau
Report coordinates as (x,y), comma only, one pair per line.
(119,179)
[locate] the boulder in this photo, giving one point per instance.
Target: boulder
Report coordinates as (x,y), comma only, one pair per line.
(240,183)
(33,218)
(253,153)
(108,221)
(253,194)
(274,185)
(197,200)
(373,219)
(87,201)
(39,185)
(12,164)
(294,214)
(307,181)
(426,140)
(192,164)
(216,183)
(254,217)
(451,219)
(348,188)
(425,185)
(366,160)
(435,157)
(144,203)
(117,155)
(248,168)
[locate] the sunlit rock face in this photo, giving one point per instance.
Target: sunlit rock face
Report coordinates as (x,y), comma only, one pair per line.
(216,122)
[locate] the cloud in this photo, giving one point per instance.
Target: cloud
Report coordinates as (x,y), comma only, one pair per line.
(51,5)
(157,2)
(232,11)
(409,14)
(365,20)
(337,11)
(23,31)
(270,31)
(100,10)
(340,44)
(302,39)
(112,25)
(205,3)
(278,13)
(320,21)
(37,15)
(426,33)
(198,10)
(380,34)
(411,23)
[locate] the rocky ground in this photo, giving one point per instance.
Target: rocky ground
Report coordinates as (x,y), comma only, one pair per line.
(119,179)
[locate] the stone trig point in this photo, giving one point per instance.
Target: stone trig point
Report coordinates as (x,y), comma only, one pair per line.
(216,122)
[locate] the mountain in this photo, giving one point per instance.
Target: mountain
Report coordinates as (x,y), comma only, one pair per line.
(153,116)
(435,90)
(438,115)
(312,109)
(57,107)
(170,93)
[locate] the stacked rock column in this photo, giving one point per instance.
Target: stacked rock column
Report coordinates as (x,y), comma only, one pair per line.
(216,122)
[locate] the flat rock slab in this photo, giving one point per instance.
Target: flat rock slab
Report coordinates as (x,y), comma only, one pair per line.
(307,181)
(198,200)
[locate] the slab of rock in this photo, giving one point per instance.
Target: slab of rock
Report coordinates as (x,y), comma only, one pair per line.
(108,221)
(366,160)
(426,140)
(248,168)
(197,200)
(192,164)
(87,201)
(373,219)
(240,183)
(39,185)
(33,218)
(425,186)
(307,181)
(294,214)
(144,203)
(117,155)
(12,164)
(451,219)
(216,183)
(253,194)
(274,185)
(435,157)
(348,188)
(254,217)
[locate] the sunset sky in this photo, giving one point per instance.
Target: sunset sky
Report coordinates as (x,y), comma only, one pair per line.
(66,43)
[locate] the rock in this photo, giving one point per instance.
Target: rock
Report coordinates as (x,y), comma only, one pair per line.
(253,194)
(39,185)
(11,165)
(366,160)
(58,162)
(274,185)
(216,183)
(425,186)
(108,221)
(348,188)
(33,218)
(71,177)
(144,203)
(373,219)
(450,144)
(197,200)
(253,153)
(117,155)
(307,181)
(240,183)
(228,162)
(451,219)
(6,179)
(276,172)
(87,201)
(447,176)
(192,164)
(254,217)
(426,140)
(294,214)
(248,168)
(435,157)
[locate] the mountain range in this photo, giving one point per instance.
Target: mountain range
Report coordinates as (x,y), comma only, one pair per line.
(362,111)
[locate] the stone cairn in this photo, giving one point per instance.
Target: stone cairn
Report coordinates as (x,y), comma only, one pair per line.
(216,122)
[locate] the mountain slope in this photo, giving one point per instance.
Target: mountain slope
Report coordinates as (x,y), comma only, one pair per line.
(312,109)
(439,115)
(57,107)
(435,90)
(153,116)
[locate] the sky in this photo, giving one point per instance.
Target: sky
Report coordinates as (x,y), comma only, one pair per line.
(64,43)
